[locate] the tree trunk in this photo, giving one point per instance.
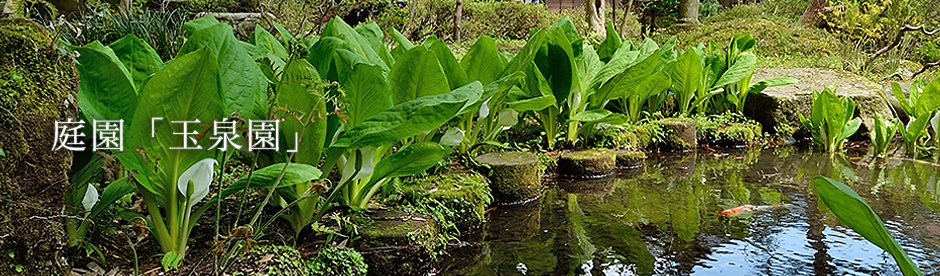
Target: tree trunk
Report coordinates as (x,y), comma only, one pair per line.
(594,13)
(688,11)
(813,11)
(458,13)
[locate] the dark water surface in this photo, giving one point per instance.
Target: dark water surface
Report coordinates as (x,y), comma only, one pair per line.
(661,220)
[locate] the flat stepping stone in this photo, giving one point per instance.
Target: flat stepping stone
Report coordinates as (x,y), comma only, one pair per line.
(680,134)
(630,159)
(586,164)
(398,243)
(515,177)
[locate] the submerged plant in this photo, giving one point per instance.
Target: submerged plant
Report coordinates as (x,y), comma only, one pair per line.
(831,120)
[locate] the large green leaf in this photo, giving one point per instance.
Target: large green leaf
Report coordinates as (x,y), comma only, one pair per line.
(321,56)
(106,90)
(687,78)
(525,56)
(300,95)
(610,45)
(413,159)
(241,81)
(409,118)
(265,177)
(567,28)
(929,99)
(627,81)
(855,213)
(482,62)
(198,24)
(138,57)
(264,39)
(417,74)
(742,67)
(599,116)
(456,76)
(185,89)
(376,39)
(114,191)
(771,82)
(367,90)
(557,63)
(355,42)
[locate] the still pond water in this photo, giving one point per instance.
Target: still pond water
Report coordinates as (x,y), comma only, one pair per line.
(660,219)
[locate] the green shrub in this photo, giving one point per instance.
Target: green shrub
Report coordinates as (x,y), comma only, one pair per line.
(334,261)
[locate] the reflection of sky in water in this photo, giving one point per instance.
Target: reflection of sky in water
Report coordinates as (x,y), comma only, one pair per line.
(641,226)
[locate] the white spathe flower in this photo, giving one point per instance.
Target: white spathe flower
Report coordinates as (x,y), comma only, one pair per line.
(452,137)
(91,198)
(201,175)
(485,108)
(507,118)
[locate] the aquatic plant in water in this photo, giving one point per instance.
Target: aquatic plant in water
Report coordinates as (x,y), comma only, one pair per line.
(831,121)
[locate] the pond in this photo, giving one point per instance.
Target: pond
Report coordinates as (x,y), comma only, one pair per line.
(661,219)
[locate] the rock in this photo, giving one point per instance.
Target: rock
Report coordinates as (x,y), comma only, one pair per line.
(727,130)
(465,196)
(399,243)
(628,136)
(515,177)
(37,88)
(630,159)
(782,104)
(593,163)
(681,134)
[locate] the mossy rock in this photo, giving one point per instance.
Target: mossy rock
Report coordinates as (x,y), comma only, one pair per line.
(680,134)
(630,159)
(37,88)
(464,195)
(593,163)
(728,130)
(515,177)
(399,243)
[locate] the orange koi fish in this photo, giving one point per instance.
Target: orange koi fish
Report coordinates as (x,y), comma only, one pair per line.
(744,208)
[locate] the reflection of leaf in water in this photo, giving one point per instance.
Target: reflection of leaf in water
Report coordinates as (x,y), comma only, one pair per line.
(738,191)
(684,214)
(581,249)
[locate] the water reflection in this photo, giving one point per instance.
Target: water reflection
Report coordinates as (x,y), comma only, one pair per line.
(660,220)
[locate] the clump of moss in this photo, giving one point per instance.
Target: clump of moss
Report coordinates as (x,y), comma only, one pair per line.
(728,129)
(459,198)
(334,261)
